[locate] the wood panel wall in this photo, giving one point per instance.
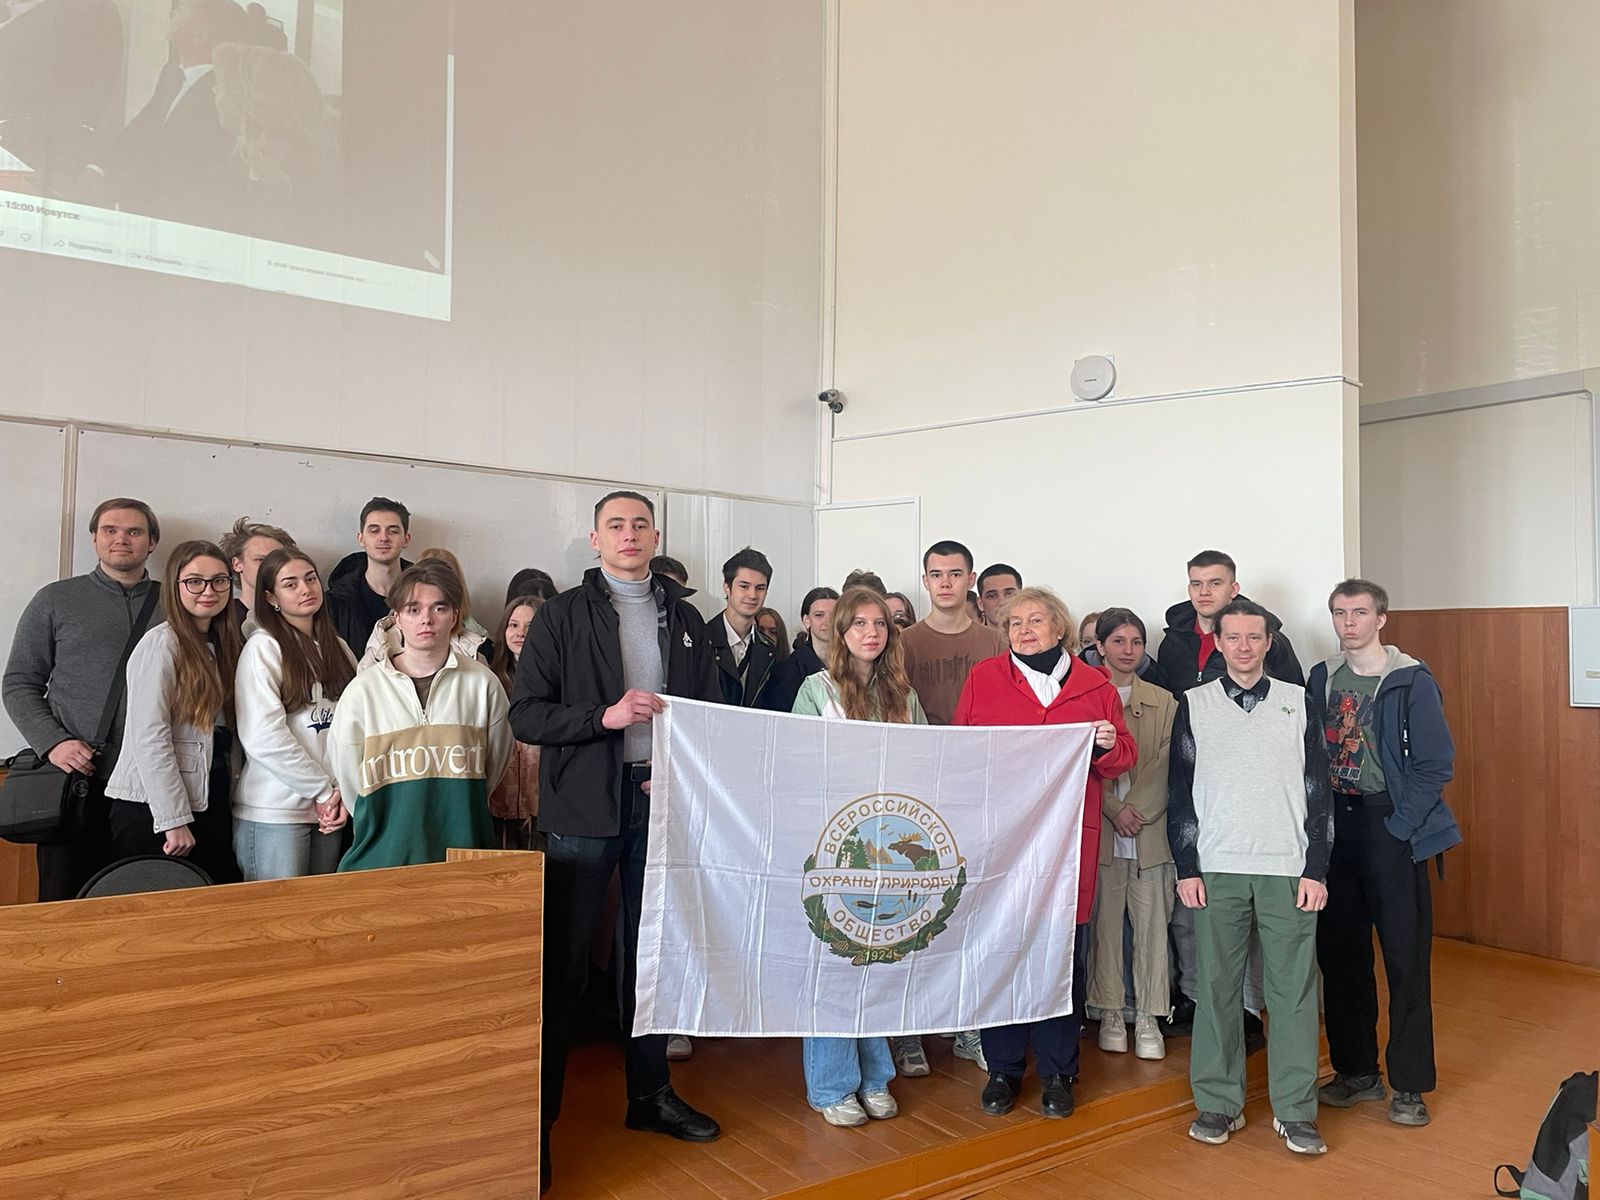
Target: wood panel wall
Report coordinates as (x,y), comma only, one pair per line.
(373,1034)
(1527,785)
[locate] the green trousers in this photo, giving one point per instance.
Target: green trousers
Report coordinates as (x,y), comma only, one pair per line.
(1289,959)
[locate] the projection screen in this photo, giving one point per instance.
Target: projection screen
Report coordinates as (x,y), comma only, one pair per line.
(298,146)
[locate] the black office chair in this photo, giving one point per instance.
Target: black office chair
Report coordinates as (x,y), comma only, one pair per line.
(146,873)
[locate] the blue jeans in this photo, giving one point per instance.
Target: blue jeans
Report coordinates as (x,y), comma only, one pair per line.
(837,1068)
(266,850)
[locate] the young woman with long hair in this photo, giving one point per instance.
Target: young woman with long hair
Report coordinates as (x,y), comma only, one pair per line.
(170,789)
(515,802)
(421,739)
(288,810)
(847,1079)
(770,622)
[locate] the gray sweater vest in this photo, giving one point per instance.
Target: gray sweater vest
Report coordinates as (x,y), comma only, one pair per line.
(1249,781)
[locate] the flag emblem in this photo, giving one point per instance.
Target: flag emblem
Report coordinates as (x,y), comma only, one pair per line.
(884,880)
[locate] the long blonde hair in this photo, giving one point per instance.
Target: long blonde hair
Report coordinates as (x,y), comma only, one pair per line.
(886,694)
(269,101)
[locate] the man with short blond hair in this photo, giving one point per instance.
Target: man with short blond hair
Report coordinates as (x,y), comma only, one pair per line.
(245,545)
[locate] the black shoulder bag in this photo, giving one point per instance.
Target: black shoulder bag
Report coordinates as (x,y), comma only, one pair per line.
(41,803)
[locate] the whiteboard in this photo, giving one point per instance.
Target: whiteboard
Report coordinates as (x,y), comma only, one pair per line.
(704,531)
(495,522)
(32,466)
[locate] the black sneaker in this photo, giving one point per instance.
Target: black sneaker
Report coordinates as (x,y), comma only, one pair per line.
(1000,1094)
(1346,1091)
(1214,1128)
(1407,1108)
(1057,1100)
(1181,1022)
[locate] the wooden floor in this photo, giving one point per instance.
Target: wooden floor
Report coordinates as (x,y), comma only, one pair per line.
(1509,1029)
(774,1145)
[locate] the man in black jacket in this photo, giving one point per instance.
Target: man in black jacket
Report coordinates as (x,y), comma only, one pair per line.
(744,654)
(589,681)
(1189,654)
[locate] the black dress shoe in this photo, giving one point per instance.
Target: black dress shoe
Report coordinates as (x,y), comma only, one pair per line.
(1181,1022)
(1255,1034)
(1000,1094)
(667,1113)
(1057,1100)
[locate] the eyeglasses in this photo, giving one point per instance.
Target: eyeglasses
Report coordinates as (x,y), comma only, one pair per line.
(195,584)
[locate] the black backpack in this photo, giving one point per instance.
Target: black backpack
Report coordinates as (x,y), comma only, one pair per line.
(1559,1169)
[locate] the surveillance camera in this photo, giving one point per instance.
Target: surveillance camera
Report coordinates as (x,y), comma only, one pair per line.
(832,399)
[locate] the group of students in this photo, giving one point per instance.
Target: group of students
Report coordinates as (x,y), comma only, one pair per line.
(1259,826)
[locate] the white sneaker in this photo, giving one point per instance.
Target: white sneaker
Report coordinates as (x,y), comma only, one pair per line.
(909,1058)
(1113,1033)
(679,1047)
(1147,1039)
(880,1105)
(845,1113)
(969,1045)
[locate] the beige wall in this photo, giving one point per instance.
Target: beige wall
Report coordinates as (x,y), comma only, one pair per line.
(636,286)
(1482,508)
(1480,266)
(1026,183)
(1479,168)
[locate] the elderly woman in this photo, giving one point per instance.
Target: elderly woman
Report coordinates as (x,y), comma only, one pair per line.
(1137,876)
(1041,683)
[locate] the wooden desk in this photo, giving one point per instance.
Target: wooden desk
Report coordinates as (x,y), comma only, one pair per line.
(19,875)
(365,1035)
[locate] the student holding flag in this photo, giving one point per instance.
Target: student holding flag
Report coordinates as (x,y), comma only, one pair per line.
(1040,683)
(847,1079)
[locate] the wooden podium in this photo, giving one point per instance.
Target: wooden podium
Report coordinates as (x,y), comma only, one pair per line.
(366,1035)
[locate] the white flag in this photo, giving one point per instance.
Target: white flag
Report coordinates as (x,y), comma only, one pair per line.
(845,878)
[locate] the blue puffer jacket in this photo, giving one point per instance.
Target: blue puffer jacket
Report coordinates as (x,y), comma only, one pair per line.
(1414,749)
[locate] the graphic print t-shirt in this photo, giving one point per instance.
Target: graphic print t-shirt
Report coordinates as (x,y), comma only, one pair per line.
(1353,764)
(938,663)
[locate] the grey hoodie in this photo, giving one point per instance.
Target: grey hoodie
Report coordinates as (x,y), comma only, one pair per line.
(66,650)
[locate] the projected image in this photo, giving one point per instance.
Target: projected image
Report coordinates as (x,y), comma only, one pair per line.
(301,146)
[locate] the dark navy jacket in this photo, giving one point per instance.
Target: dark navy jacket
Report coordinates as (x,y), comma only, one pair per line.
(1414,748)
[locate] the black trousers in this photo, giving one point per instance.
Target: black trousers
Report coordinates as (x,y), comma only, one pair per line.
(577,872)
(1373,884)
(1054,1040)
(65,867)
(131,834)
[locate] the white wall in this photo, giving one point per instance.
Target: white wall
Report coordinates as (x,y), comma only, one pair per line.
(1104,528)
(637,273)
(1482,508)
(1025,183)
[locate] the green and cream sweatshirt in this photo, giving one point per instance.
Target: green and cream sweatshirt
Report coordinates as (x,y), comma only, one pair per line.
(417,779)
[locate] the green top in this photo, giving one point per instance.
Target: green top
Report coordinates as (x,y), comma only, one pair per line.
(818,698)
(1353,764)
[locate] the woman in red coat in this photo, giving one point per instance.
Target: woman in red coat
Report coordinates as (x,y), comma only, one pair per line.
(1041,683)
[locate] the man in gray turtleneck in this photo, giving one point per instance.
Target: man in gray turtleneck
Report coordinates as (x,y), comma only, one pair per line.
(64,657)
(589,680)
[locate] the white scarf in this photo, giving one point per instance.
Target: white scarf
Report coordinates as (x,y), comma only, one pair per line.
(1046,687)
